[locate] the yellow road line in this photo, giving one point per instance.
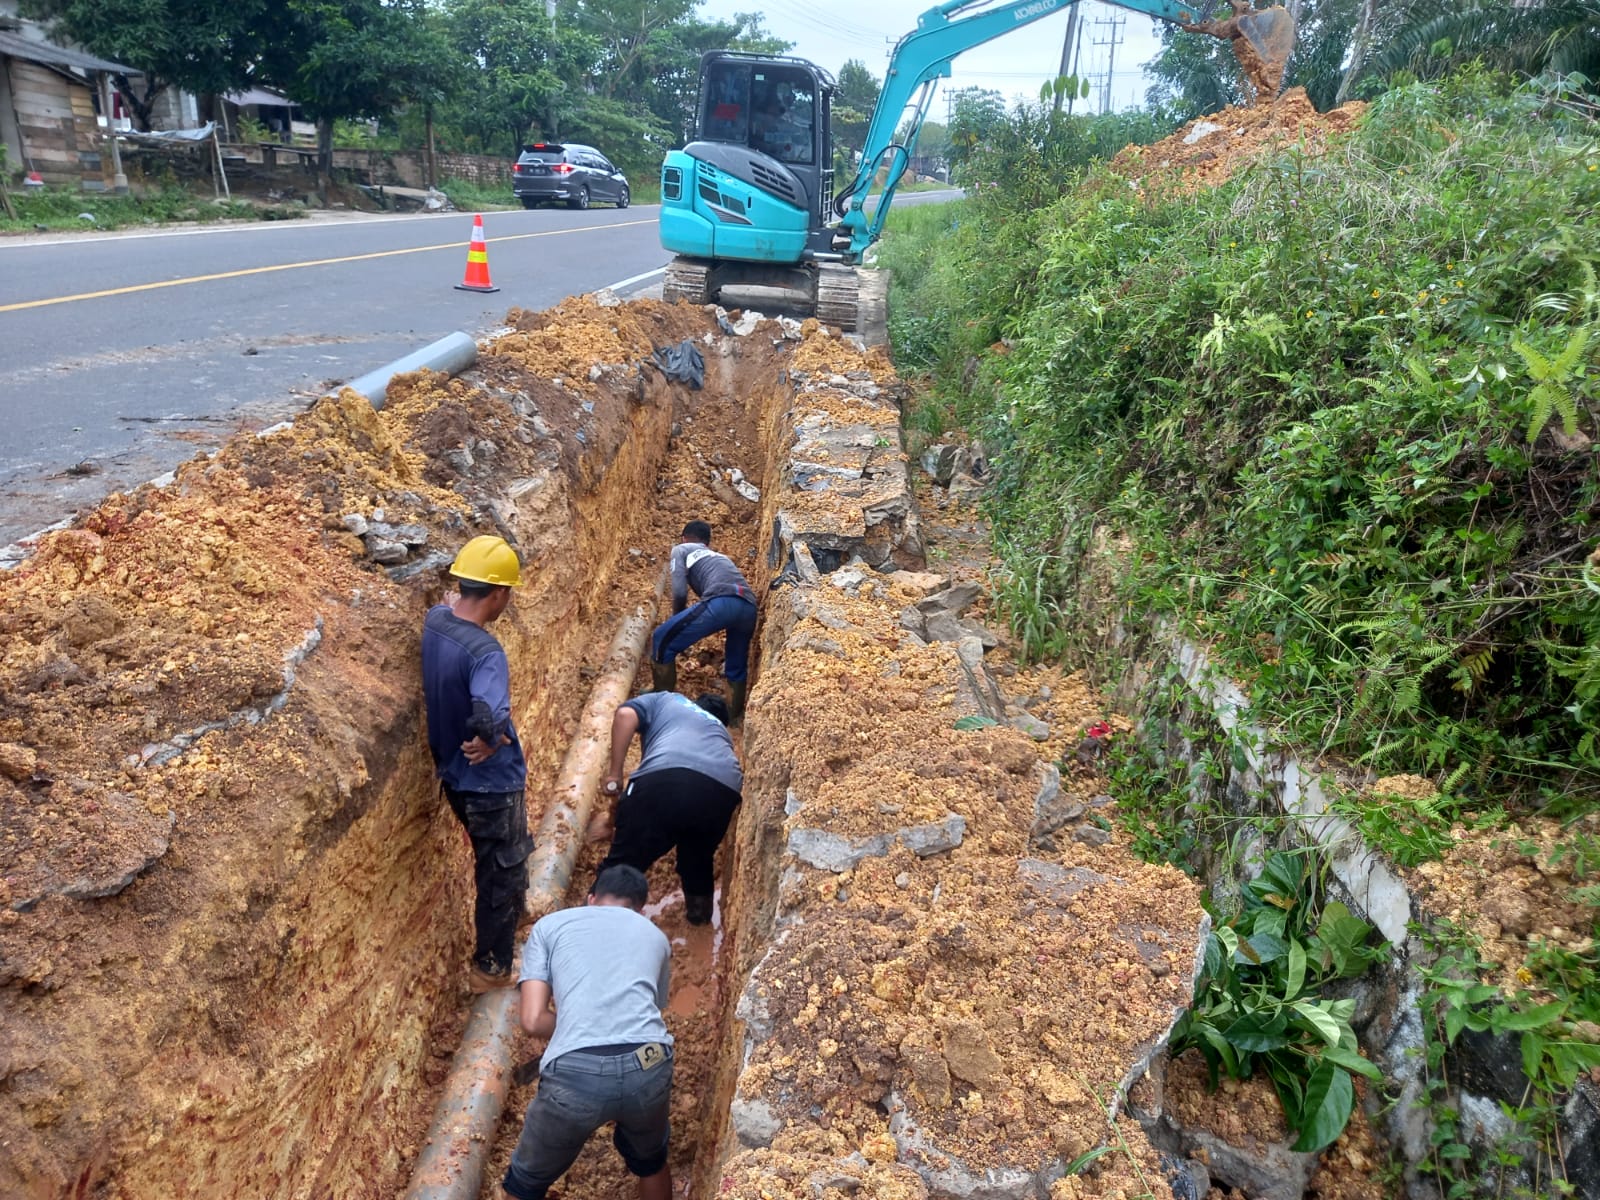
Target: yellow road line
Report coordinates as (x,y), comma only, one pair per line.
(316,262)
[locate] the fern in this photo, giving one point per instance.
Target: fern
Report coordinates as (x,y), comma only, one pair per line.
(1551,376)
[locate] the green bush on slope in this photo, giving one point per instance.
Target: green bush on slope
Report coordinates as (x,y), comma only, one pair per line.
(1335,413)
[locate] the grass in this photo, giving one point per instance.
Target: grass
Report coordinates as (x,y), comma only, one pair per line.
(62,208)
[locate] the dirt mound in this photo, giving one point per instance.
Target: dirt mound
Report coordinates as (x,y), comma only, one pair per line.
(1206,151)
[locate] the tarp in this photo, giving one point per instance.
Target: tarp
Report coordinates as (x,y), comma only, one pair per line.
(15,46)
(682,363)
(203,134)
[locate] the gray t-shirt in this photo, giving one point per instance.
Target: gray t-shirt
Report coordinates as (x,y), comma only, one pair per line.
(608,968)
(709,573)
(674,731)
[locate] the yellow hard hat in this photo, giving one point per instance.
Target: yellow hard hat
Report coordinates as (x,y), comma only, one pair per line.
(488,559)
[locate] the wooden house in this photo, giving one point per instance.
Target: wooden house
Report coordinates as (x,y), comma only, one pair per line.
(47,111)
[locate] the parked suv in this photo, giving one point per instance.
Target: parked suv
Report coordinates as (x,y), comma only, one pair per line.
(546,172)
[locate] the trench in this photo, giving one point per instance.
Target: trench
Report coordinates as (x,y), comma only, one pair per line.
(237,964)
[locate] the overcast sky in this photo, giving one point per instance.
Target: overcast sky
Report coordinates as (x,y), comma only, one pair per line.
(830,31)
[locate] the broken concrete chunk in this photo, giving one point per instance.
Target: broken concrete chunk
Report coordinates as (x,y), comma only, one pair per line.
(754,1123)
(355,523)
(924,840)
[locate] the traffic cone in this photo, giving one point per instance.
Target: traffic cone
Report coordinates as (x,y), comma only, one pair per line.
(477,279)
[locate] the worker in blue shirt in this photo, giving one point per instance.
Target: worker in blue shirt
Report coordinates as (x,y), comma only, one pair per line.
(726,603)
(466,687)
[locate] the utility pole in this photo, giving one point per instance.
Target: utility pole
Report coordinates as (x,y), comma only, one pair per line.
(1077,55)
(1113,41)
(1067,45)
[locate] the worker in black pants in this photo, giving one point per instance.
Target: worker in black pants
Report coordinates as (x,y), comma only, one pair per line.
(682,794)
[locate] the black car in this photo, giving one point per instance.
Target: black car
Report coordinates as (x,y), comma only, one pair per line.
(546,172)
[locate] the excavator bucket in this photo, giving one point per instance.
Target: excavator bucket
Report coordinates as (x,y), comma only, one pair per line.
(1270,34)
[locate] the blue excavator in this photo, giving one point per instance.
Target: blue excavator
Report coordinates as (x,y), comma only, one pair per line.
(750,202)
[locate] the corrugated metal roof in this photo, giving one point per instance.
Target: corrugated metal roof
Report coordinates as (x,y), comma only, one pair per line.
(258,95)
(14,46)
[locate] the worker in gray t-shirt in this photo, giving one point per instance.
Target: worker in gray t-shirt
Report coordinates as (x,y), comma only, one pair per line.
(682,794)
(609,1058)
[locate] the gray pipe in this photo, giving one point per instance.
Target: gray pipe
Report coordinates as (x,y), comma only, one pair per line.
(452,354)
(451,1164)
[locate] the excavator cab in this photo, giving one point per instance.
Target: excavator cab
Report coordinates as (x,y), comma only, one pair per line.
(747,202)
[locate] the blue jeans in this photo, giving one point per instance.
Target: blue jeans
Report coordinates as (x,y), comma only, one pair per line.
(736,614)
(580,1092)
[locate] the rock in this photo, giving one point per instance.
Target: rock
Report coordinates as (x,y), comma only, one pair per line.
(943,461)
(458,460)
(930,1073)
(848,577)
(954,600)
(819,645)
(923,840)
(539,426)
(17,762)
(120,876)
(355,523)
(1032,726)
(977,694)
(923,583)
(743,486)
(606,298)
(943,627)
(1054,882)
(754,1122)
(970,1057)
(834,852)
(913,621)
(963,487)
(1051,807)
(385,551)
(1268,1171)
(1091,835)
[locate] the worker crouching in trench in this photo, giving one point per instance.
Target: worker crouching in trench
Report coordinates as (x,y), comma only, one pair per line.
(682,795)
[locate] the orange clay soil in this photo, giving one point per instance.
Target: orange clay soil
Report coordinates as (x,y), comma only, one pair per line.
(233,914)
(1208,150)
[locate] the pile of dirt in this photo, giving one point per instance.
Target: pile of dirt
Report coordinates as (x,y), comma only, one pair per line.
(1208,150)
(1514,889)
(567,343)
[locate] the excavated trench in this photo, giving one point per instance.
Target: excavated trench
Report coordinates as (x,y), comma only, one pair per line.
(234,915)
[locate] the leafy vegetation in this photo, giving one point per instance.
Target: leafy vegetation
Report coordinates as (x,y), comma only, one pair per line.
(1257,1005)
(63,208)
(1332,417)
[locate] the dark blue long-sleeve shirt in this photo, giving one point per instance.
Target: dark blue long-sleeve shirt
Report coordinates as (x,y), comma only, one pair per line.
(466,685)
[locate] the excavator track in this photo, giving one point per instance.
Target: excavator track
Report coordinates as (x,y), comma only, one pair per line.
(687,279)
(838,296)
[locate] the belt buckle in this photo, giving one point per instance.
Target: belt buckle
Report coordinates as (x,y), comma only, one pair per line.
(650,1055)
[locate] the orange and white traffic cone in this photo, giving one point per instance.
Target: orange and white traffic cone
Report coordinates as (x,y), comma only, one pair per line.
(477,279)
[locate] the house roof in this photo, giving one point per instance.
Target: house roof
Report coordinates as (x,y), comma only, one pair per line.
(15,46)
(257,95)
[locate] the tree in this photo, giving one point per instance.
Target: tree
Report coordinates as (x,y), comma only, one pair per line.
(976,114)
(522,73)
(348,59)
(853,103)
(198,45)
(1527,38)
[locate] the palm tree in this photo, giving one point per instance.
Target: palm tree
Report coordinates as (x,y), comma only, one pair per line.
(1526,37)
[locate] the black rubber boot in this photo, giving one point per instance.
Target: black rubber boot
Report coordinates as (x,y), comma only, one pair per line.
(664,676)
(697,909)
(736,701)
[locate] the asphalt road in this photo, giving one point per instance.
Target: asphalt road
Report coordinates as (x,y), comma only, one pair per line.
(121,355)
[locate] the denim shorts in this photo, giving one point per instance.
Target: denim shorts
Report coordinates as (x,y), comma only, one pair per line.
(580,1092)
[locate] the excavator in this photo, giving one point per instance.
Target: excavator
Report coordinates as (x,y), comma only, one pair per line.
(750,202)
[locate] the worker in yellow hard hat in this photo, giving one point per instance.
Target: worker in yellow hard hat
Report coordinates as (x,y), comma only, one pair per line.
(466,687)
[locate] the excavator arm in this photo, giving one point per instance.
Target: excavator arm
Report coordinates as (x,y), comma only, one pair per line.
(923,57)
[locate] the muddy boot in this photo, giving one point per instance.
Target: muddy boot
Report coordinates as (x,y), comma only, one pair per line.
(664,676)
(736,701)
(480,981)
(697,909)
